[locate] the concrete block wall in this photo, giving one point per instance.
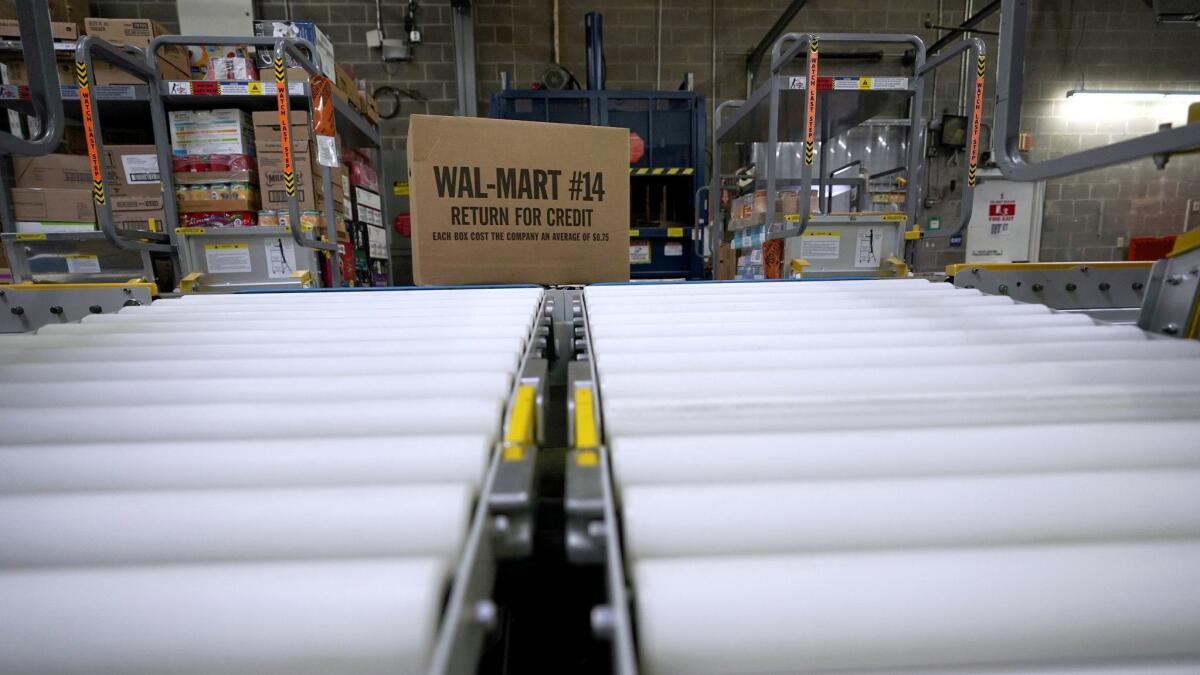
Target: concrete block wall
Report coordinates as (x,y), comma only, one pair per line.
(1103,43)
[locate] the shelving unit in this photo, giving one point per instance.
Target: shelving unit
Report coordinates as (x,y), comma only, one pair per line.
(145,106)
(815,111)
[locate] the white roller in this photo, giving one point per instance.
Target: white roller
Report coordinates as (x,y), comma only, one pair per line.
(532,293)
(814,516)
(130,422)
(822,314)
(668,330)
(917,451)
(226,386)
(787,359)
(900,410)
(499,311)
(327,365)
(192,464)
(468,322)
(781,304)
(978,607)
(763,288)
(27,351)
(193,526)
(879,379)
(305,327)
(361,617)
(610,346)
(328,336)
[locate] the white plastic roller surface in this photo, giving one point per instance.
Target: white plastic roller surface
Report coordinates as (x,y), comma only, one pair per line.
(940,607)
(351,617)
(247,389)
(904,355)
(813,516)
(138,528)
(192,464)
(683,459)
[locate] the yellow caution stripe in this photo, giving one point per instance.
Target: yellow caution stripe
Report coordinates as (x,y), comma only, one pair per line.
(661,171)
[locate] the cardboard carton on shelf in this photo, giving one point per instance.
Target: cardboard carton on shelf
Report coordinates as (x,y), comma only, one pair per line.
(502,201)
(52,171)
(53,204)
(173,61)
(152,220)
(133,179)
(226,131)
(250,204)
(13,71)
(67,31)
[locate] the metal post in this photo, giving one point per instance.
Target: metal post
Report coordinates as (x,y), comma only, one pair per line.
(463,26)
(593,23)
(772,160)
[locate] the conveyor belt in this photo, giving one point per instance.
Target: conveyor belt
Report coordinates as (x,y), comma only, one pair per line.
(266,483)
(867,476)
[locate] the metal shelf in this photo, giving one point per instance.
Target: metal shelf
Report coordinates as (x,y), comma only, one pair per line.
(842,104)
(661,232)
(356,131)
(752,237)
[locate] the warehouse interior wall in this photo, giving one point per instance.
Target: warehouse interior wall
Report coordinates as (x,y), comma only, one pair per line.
(1087,217)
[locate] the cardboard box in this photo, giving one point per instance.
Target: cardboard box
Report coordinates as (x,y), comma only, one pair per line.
(502,201)
(142,219)
(59,30)
(133,179)
(345,84)
(220,205)
(52,171)
(306,30)
(173,60)
(726,262)
(107,73)
(54,204)
(226,131)
(14,72)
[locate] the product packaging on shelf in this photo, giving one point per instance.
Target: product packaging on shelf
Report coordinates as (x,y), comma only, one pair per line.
(306,30)
(205,132)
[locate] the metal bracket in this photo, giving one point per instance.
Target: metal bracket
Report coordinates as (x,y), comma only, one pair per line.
(1172,303)
(1014,29)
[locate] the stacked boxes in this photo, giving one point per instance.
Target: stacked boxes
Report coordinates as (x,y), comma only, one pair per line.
(134,186)
(270,163)
(53,193)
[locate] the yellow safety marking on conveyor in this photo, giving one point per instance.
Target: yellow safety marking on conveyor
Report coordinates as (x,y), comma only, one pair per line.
(28,236)
(951,270)
(1185,242)
(521,420)
(585,418)
(587,458)
(512,453)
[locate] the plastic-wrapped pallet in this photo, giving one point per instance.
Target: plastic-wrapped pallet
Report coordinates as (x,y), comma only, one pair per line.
(260,483)
(866,476)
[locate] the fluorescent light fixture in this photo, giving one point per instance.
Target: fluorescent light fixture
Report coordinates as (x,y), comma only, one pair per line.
(1130,95)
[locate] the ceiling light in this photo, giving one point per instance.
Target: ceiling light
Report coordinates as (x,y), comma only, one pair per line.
(1130,95)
